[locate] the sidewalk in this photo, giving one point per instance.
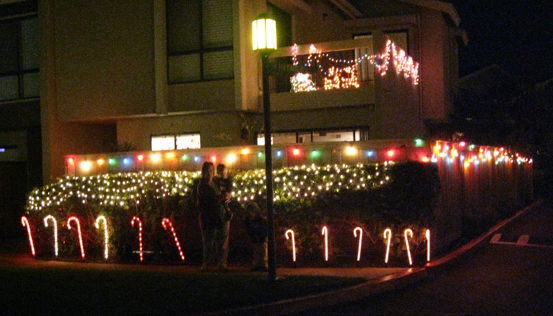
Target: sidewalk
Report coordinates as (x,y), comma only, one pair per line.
(22,260)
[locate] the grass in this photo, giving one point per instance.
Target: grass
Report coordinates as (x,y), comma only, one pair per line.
(47,290)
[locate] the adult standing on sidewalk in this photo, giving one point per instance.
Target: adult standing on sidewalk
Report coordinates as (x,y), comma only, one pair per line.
(211,218)
(224,184)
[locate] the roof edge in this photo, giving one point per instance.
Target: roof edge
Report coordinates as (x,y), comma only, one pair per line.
(444,7)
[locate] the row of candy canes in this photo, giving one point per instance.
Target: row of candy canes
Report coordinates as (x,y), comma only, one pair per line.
(358,233)
(167,225)
(100,220)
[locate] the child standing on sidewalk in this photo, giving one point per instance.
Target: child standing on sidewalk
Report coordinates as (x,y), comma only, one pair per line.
(256,226)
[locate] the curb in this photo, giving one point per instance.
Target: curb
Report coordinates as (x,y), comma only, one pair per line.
(375,286)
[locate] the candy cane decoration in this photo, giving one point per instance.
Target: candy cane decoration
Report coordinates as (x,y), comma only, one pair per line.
(166,222)
(76,220)
(360,230)
(291,233)
(102,219)
(388,237)
(55,226)
(25,223)
(406,233)
(427,235)
(324,232)
(141,250)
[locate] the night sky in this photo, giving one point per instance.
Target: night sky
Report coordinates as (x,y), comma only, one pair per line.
(515,34)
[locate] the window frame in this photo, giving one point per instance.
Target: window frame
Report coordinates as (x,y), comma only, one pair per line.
(174,135)
(311,131)
(200,51)
(20,72)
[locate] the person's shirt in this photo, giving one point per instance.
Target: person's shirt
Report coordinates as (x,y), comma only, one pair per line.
(209,204)
(256,228)
(224,184)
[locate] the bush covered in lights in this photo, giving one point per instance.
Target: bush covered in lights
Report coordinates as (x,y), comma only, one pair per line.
(341,197)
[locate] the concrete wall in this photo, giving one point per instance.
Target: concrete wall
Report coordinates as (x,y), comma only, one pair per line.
(216,129)
(322,24)
(59,137)
(198,96)
(104,58)
(434,47)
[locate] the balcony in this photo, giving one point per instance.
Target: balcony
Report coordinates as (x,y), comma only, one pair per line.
(330,74)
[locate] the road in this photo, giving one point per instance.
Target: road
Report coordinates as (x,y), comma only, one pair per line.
(499,278)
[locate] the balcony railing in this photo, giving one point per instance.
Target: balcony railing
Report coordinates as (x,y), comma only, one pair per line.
(322,75)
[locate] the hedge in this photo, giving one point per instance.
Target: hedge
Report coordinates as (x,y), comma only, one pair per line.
(341,197)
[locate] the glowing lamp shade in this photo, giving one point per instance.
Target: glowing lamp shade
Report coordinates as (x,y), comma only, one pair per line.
(264,35)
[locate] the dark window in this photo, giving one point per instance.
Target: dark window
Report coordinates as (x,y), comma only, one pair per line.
(19,59)
(199,40)
(284,25)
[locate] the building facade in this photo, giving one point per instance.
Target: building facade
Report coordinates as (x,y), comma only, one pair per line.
(173,74)
(20,135)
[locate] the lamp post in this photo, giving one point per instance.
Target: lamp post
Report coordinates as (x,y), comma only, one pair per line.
(264,41)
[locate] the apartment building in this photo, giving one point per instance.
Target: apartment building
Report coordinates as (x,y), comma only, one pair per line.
(20,140)
(174,74)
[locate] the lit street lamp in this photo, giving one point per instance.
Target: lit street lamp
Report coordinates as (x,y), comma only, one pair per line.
(264,40)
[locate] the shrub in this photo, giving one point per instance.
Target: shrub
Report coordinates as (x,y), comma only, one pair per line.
(306,198)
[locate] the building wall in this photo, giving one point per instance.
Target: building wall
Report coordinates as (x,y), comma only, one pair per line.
(434,47)
(322,24)
(104,57)
(105,79)
(216,129)
(59,137)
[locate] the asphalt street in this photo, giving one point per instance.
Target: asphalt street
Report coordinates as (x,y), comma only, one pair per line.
(499,278)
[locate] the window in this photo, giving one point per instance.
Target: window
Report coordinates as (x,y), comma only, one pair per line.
(171,142)
(317,136)
(284,25)
(199,40)
(188,141)
(400,38)
(19,59)
(364,68)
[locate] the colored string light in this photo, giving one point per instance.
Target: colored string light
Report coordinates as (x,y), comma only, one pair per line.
(343,72)
(289,234)
(76,220)
(388,238)
(324,232)
(25,223)
(408,233)
(140,246)
(102,219)
(55,228)
(359,230)
(167,223)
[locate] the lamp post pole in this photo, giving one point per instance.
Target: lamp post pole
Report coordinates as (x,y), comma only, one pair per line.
(268,167)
